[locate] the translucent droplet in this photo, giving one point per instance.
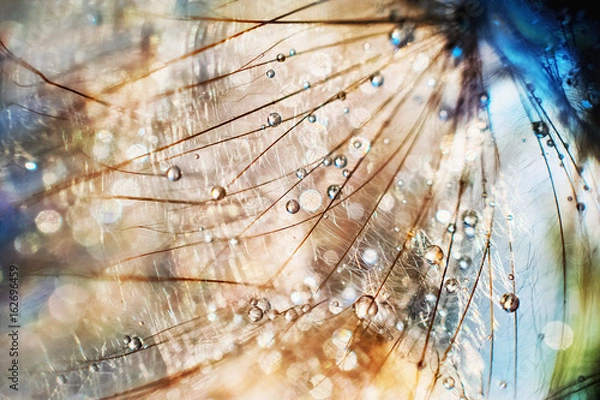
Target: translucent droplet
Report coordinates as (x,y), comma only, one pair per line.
(399,326)
(327,161)
(335,307)
(509,302)
(540,129)
(434,255)
(217,192)
(305,308)
(581,207)
(306,85)
(333,191)
(135,343)
(470,218)
(94,367)
(365,307)
(340,161)
(484,99)
(281,57)
(511,277)
(274,119)
(312,118)
(174,173)
(291,314)
(345,173)
(503,384)
(255,314)
(377,79)
(452,285)
(292,206)
(301,173)
(270,73)
(61,379)
(126,339)
(292,52)
(448,382)
(401,36)
(451,228)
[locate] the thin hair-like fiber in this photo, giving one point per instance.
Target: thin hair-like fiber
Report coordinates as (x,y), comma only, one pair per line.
(300,199)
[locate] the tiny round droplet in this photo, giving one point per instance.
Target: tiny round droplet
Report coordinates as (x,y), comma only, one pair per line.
(448,382)
(292,206)
(255,314)
(301,173)
(305,308)
(451,228)
(340,161)
(126,339)
(333,191)
(94,367)
(434,255)
(217,192)
(61,379)
(470,218)
(452,285)
(503,384)
(335,307)
(312,118)
(174,173)
(292,52)
(540,129)
(291,315)
(264,304)
(270,73)
(511,277)
(274,119)
(509,302)
(135,343)
(365,307)
(581,207)
(281,57)
(376,79)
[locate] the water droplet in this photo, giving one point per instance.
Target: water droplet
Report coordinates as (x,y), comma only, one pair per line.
(217,192)
(503,384)
(452,285)
(292,206)
(126,339)
(301,173)
(511,277)
(281,57)
(540,129)
(255,314)
(509,302)
(333,191)
(451,228)
(253,301)
(270,73)
(581,207)
(61,379)
(291,314)
(312,118)
(135,343)
(272,314)
(550,143)
(292,52)
(365,307)
(443,115)
(174,173)
(484,99)
(345,110)
(341,96)
(306,85)
(376,79)
(401,36)
(434,255)
(327,161)
(305,308)
(470,218)
(400,326)
(448,382)
(274,119)
(335,307)
(340,161)
(94,367)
